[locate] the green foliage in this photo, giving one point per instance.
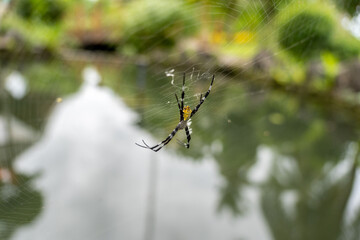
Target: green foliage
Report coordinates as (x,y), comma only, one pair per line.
(251,16)
(35,34)
(344,45)
(152,24)
(254,13)
(18,207)
(331,67)
(271,7)
(307,33)
(48,11)
(348,5)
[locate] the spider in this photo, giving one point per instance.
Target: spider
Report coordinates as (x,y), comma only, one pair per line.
(185,116)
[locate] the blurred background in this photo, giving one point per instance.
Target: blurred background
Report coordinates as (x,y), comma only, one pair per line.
(275,147)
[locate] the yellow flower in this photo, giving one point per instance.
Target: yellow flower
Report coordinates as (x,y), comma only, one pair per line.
(218,37)
(243,37)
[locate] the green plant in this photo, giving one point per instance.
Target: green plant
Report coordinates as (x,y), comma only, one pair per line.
(307,33)
(153,24)
(48,11)
(348,5)
(344,45)
(250,17)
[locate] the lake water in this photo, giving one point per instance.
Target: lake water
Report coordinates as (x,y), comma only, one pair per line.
(262,164)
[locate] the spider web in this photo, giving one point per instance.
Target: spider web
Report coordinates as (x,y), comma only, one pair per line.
(161,115)
(70,168)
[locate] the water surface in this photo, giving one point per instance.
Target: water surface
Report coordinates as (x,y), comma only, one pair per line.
(262,164)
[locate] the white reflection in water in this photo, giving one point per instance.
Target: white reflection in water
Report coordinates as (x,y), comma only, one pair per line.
(15,130)
(354,201)
(16,85)
(261,170)
(339,171)
(94,180)
(91,76)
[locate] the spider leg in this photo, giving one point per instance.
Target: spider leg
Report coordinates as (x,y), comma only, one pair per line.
(155,148)
(188,135)
(183,93)
(146,146)
(141,145)
(160,145)
(181,112)
(203,98)
(166,141)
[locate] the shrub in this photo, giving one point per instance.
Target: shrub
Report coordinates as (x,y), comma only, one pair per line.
(349,6)
(307,33)
(48,11)
(345,46)
(156,24)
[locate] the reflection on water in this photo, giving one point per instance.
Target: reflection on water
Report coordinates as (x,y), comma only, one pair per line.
(275,167)
(20,203)
(94,178)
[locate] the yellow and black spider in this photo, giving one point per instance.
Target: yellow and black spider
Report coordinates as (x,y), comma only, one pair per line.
(185,115)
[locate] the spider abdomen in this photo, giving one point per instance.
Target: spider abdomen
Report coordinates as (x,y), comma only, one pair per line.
(187,113)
